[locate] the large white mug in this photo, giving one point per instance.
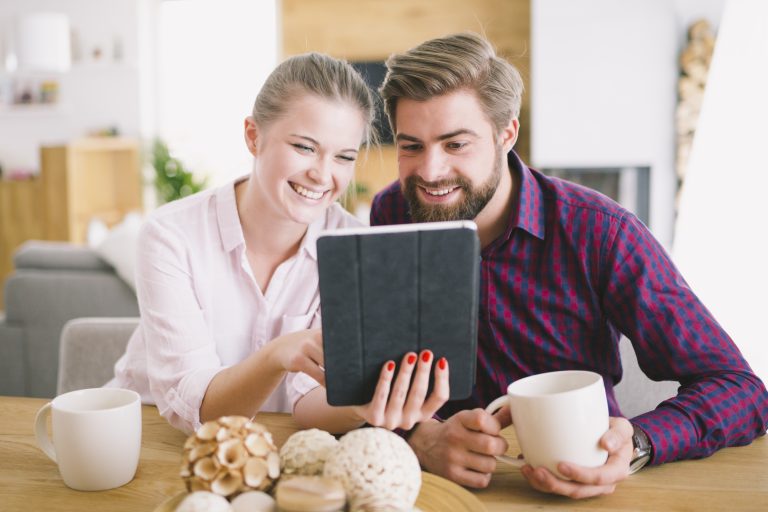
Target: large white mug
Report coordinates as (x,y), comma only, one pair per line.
(96,436)
(558,417)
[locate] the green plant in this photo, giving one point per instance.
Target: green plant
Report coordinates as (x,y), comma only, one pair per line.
(172,180)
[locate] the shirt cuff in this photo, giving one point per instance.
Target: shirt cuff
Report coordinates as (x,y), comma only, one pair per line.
(670,432)
(298,385)
(183,401)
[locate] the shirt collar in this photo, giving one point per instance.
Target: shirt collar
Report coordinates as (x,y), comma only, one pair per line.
(528,202)
(230,230)
(309,243)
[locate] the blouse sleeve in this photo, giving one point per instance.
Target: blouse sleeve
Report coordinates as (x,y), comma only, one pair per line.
(181,354)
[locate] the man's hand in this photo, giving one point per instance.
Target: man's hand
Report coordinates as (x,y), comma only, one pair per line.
(588,482)
(462,449)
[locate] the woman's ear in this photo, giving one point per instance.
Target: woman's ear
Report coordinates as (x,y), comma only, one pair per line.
(251,134)
(509,134)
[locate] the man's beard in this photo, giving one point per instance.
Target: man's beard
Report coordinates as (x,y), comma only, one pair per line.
(467,208)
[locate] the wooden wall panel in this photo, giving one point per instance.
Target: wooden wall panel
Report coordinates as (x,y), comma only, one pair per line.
(370,30)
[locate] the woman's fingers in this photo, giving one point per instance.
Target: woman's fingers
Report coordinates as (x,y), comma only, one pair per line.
(315,352)
(401,401)
(375,412)
(411,412)
(440,391)
(394,407)
(305,354)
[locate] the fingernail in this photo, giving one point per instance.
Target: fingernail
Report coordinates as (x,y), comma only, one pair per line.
(426,356)
(390,366)
(441,363)
(411,358)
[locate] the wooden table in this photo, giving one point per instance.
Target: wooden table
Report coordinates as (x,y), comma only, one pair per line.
(732,479)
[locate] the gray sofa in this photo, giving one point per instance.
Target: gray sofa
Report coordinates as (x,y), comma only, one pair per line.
(53,282)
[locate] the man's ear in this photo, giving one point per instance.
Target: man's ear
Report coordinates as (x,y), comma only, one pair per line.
(509,134)
(251,134)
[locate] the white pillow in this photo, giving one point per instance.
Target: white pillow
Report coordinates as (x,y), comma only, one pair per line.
(118,247)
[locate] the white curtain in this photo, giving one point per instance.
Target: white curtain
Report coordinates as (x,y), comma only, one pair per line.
(721,235)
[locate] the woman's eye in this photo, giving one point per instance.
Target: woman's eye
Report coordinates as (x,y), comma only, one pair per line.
(303,148)
(346,158)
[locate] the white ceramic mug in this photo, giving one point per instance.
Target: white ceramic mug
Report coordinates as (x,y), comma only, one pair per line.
(96,436)
(558,417)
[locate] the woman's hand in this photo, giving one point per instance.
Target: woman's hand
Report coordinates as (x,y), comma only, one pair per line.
(408,404)
(300,351)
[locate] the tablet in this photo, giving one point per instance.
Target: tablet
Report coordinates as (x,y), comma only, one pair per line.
(389,290)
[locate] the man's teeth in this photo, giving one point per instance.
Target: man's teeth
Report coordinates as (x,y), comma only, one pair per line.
(440,192)
(306,192)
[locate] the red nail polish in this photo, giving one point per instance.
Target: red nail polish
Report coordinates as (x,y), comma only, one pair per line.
(390,366)
(426,356)
(411,358)
(441,363)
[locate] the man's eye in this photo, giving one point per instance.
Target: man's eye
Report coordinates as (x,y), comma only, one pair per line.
(303,148)
(410,147)
(457,145)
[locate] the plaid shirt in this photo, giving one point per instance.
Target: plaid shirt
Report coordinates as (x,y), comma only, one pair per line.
(571,273)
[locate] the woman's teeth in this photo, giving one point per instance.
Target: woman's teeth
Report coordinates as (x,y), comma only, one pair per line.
(305,192)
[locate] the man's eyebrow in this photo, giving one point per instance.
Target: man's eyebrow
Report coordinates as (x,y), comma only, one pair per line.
(316,143)
(460,131)
(410,138)
(445,136)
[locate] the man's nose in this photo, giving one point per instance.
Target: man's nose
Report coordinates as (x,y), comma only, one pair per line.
(434,166)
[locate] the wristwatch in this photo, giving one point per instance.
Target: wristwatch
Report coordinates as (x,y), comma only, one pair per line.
(642,450)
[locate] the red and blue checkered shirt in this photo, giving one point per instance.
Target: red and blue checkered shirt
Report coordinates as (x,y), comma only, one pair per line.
(571,273)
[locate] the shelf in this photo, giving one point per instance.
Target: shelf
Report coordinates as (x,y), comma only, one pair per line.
(32,109)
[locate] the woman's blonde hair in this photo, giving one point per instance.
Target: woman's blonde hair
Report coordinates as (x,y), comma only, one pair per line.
(318,74)
(446,64)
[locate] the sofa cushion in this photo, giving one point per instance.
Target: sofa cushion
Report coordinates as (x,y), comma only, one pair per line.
(118,248)
(38,254)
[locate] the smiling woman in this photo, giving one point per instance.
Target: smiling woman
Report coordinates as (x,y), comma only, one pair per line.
(227,278)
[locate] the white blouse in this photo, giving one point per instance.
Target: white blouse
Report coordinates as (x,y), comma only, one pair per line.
(201,309)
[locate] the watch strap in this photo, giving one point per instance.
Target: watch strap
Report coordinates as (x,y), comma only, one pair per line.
(642,449)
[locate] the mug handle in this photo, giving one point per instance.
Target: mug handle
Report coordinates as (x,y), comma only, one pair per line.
(492,408)
(41,432)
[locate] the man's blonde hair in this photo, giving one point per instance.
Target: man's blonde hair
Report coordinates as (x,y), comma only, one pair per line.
(447,64)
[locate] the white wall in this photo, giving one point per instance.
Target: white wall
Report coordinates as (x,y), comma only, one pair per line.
(721,242)
(208,75)
(603,88)
(94,94)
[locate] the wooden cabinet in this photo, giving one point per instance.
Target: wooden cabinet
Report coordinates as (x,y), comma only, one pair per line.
(86,179)
(20,220)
